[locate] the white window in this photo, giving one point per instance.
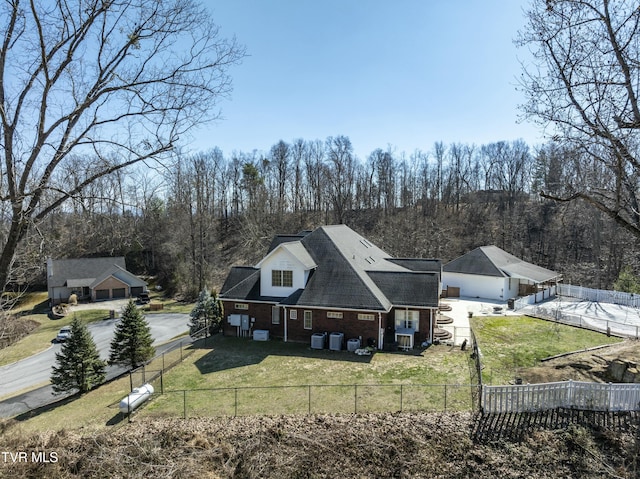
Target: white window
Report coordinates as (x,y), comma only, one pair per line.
(275,315)
(407,319)
(308,322)
(242,306)
(366,317)
(293,314)
(334,314)
(282,278)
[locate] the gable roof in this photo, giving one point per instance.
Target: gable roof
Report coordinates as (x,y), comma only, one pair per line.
(120,273)
(341,263)
(295,249)
(74,272)
(493,261)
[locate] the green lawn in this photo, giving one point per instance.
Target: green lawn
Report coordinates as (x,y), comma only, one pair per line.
(230,376)
(239,376)
(509,344)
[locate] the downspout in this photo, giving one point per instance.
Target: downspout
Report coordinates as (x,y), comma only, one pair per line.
(284,308)
(380,330)
(431,326)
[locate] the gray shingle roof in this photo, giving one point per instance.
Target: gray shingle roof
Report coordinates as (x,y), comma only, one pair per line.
(85,269)
(344,274)
(493,261)
(408,289)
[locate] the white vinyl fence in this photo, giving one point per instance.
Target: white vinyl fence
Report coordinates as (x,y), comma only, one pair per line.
(535,298)
(629,329)
(567,394)
(599,295)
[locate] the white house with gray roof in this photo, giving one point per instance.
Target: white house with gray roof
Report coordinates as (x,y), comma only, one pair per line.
(95,279)
(329,280)
(491,273)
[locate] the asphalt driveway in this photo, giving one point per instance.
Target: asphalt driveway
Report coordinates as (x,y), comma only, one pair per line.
(35,370)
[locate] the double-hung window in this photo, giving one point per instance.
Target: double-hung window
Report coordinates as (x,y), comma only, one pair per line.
(308,323)
(407,319)
(281,277)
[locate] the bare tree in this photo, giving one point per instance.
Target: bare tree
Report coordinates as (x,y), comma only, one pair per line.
(117,80)
(584,84)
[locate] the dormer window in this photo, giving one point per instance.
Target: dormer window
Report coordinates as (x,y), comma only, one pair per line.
(282,278)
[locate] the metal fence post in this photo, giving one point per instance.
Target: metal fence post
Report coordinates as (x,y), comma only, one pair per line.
(130,381)
(235,405)
(355,399)
(163,361)
(162,382)
(184,403)
(445,398)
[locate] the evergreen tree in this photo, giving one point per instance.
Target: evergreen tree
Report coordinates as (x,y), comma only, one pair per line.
(627,281)
(207,312)
(132,343)
(79,366)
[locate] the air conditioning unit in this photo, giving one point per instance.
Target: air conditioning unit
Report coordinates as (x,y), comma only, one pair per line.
(318,340)
(335,341)
(353,344)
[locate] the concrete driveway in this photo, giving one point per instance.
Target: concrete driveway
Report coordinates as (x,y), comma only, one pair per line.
(460,309)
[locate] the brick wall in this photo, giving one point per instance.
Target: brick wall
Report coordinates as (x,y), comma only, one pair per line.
(349,324)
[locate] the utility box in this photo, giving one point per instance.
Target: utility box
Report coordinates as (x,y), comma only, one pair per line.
(261,335)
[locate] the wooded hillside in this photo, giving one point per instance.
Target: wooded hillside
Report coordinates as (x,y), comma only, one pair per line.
(187,221)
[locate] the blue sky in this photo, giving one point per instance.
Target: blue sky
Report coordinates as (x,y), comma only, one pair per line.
(405,73)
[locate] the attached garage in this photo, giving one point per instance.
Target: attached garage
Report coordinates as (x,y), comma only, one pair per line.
(119,293)
(102,294)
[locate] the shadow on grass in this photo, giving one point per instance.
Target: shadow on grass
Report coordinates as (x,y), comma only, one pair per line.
(117,419)
(46,408)
(232,352)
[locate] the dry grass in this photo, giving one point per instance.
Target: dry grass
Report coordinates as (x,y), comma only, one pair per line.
(415,445)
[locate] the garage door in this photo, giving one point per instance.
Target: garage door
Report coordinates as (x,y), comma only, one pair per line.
(102,294)
(136,290)
(119,293)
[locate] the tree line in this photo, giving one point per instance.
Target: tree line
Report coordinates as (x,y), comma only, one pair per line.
(187,221)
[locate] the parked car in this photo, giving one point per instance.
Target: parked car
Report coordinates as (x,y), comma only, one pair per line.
(63,334)
(143,298)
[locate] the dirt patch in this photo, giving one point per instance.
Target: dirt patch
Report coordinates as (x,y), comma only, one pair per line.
(14,328)
(583,366)
(403,445)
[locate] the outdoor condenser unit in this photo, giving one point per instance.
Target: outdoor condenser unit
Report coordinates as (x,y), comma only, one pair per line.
(335,341)
(318,340)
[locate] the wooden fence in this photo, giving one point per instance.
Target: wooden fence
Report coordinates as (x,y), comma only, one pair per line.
(568,394)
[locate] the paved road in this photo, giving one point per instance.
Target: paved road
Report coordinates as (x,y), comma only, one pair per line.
(36,370)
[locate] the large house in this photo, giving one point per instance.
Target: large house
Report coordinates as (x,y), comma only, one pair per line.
(492,273)
(334,281)
(91,278)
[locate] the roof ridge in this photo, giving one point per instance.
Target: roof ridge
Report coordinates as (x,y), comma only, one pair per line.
(357,273)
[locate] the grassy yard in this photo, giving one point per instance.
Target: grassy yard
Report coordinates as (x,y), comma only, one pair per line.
(230,376)
(252,377)
(509,344)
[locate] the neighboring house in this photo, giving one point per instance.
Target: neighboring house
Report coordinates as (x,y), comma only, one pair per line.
(332,280)
(492,273)
(91,278)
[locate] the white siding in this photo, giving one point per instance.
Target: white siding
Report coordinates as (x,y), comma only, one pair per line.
(283,261)
(477,286)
